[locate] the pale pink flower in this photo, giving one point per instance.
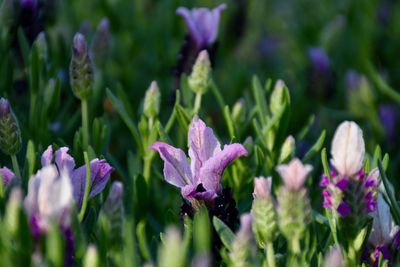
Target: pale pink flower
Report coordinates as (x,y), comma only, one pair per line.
(294,174)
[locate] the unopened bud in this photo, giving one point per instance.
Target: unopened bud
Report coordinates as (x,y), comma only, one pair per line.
(101,43)
(277,96)
(80,69)
(287,149)
(151,106)
(10,135)
(238,110)
(41,45)
(91,257)
(170,253)
(13,208)
(200,78)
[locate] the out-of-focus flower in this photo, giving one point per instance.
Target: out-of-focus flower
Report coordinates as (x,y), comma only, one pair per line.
(321,76)
(202,24)
(101,43)
(388,115)
(80,68)
(348,191)
(172,251)
(10,135)
(201,179)
(49,199)
(200,78)
(242,247)
(7,175)
(100,172)
(151,105)
(263,211)
(334,258)
(348,149)
(294,210)
(91,257)
(294,174)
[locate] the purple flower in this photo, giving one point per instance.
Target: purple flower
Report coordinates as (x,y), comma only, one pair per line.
(343,209)
(201,179)
(100,172)
(342,184)
(202,23)
(388,117)
(7,175)
(319,59)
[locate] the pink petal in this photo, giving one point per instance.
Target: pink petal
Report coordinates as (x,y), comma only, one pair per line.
(202,145)
(294,174)
(212,170)
(176,166)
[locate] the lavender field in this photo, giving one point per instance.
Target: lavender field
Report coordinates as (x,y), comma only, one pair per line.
(172,133)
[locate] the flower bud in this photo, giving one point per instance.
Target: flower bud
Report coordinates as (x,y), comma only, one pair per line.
(238,111)
(277,96)
(348,149)
(10,135)
(263,211)
(101,43)
(287,149)
(91,257)
(241,252)
(151,106)
(171,252)
(41,46)
(200,78)
(80,69)
(334,258)
(7,176)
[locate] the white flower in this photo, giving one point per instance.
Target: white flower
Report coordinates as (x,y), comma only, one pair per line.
(49,197)
(348,149)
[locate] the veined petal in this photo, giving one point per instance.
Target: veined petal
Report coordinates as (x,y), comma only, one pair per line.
(348,149)
(176,166)
(212,170)
(294,174)
(202,145)
(64,160)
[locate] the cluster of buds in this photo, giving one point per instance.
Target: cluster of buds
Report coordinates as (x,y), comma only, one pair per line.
(81,69)
(10,135)
(294,210)
(263,211)
(349,192)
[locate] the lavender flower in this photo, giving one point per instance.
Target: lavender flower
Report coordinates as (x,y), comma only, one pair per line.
(49,199)
(294,174)
(202,24)
(262,187)
(7,175)
(321,77)
(100,172)
(349,192)
(201,180)
(389,117)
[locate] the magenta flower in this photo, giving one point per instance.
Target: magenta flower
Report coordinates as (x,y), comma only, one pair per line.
(201,179)
(100,172)
(202,24)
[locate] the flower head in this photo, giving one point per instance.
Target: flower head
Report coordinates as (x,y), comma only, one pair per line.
(202,23)
(201,179)
(49,198)
(100,172)
(334,258)
(348,149)
(294,174)
(262,187)
(7,175)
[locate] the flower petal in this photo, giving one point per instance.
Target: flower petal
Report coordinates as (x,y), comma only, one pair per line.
(202,145)
(348,149)
(186,14)
(212,170)
(47,156)
(262,187)
(7,175)
(381,233)
(176,166)
(294,174)
(64,160)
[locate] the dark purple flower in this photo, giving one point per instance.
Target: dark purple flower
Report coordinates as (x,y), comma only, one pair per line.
(342,184)
(202,23)
(388,116)
(201,179)
(100,172)
(343,209)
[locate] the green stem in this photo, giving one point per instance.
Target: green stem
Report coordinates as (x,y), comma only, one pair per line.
(295,246)
(147,167)
(87,187)
(197,103)
(270,255)
(15,165)
(85,124)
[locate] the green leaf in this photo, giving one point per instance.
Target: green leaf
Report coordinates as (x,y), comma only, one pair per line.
(183,118)
(390,194)
(325,164)
(24,45)
(259,97)
(229,122)
(30,157)
(226,235)
(142,241)
(315,148)
(201,231)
